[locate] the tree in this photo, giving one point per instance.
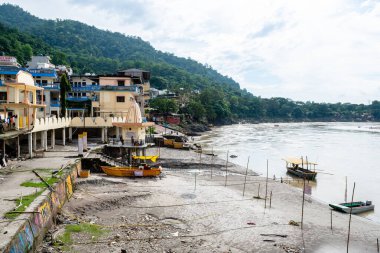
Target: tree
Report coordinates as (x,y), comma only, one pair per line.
(164,105)
(65,87)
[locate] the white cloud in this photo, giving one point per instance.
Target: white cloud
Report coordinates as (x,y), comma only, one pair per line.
(325,50)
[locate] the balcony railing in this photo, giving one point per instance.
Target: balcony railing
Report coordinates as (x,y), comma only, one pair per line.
(88,88)
(49,86)
(55,103)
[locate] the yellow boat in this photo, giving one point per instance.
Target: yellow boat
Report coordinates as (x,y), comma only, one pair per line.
(141,171)
(153,158)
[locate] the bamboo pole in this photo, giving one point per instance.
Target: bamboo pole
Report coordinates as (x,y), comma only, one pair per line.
(303,201)
(331,219)
(212,160)
(270,200)
(245,178)
(195,181)
(266,187)
(345,192)
(349,222)
(225,183)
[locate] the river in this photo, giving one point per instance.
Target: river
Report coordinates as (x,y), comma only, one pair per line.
(341,150)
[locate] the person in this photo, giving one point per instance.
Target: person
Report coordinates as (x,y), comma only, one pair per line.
(121,140)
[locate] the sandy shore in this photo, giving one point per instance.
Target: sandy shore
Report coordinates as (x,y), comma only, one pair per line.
(190,210)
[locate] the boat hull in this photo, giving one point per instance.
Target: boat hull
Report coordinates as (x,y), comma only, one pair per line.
(302,173)
(131,171)
(344,207)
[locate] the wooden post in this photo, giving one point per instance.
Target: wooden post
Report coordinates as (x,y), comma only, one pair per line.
(195,182)
(212,160)
(303,202)
(377,241)
(331,219)
(345,192)
(245,179)
(266,187)
(258,192)
(349,222)
(225,183)
(270,200)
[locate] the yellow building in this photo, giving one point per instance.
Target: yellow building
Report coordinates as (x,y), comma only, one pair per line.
(20,106)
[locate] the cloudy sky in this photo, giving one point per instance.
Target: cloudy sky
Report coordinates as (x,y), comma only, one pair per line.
(324,51)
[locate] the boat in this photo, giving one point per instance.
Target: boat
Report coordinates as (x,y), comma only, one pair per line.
(357,207)
(153,158)
(296,167)
(132,171)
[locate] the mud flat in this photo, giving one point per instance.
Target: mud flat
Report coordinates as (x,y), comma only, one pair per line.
(188,210)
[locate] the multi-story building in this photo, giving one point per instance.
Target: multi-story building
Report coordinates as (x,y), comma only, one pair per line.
(110,95)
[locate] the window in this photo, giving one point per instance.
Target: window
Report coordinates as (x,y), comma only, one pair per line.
(120,83)
(83,94)
(83,83)
(3,96)
(120,99)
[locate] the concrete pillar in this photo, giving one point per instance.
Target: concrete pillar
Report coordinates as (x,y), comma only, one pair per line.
(30,145)
(103,139)
(117,133)
(64,136)
(45,140)
(4,148)
(52,138)
(34,141)
(18,147)
(70,134)
(42,139)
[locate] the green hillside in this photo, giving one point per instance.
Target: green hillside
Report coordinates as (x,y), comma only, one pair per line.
(89,49)
(205,94)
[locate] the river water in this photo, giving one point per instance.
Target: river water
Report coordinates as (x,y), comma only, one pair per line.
(341,150)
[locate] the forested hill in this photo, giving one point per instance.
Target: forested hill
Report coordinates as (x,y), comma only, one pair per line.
(206,96)
(89,49)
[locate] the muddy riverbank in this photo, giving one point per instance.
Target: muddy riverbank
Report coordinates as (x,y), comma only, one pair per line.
(190,209)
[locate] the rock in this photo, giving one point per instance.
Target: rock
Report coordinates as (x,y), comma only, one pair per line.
(123,251)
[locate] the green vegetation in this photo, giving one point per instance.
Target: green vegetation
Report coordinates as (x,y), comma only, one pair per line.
(94,231)
(50,181)
(204,94)
(65,87)
(22,202)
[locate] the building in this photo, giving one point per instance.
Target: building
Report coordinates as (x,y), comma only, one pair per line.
(40,62)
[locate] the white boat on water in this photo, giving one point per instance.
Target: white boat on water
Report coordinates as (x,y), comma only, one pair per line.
(357,207)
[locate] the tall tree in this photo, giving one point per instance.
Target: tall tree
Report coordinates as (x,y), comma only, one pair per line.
(65,87)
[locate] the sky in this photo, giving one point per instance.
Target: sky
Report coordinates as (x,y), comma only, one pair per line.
(322,51)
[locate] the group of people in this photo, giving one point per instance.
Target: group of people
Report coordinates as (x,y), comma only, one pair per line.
(7,123)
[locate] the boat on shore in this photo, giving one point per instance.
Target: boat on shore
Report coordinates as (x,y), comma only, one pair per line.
(357,207)
(132,171)
(300,168)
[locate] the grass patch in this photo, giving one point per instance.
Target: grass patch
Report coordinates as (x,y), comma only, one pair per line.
(25,202)
(50,181)
(93,230)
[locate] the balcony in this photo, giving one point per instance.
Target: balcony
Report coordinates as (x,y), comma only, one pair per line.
(132,88)
(49,86)
(77,99)
(55,103)
(87,88)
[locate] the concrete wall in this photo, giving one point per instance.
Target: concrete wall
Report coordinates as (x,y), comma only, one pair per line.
(106,80)
(34,226)
(50,123)
(108,101)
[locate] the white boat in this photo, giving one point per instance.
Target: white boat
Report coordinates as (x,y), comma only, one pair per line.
(357,207)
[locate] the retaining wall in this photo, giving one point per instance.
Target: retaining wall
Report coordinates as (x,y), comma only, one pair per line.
(33,227)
